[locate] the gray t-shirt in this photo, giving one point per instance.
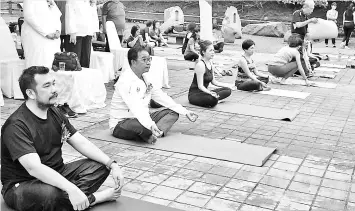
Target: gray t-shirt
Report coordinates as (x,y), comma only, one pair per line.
(115,12)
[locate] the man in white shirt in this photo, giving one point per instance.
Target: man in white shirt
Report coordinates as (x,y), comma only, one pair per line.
(129,116)
(81,22)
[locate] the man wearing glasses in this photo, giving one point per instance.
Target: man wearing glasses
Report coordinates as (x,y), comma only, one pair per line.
(129,116)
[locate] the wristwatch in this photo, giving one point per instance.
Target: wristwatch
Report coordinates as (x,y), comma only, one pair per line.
(109,163)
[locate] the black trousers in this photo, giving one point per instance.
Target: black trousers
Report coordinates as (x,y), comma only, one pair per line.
(132,129)
(34,195)
(191,56)
(107,49)
(333,41)
(250,85)
(348,29)
(203,99)
(82,48)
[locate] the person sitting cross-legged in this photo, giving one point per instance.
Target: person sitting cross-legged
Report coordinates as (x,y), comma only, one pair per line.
(129,116)
(135,40)
(248,77)
(199,95)
(33,174)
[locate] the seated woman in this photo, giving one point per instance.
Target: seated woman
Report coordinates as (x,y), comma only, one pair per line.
(145,33)
(288,60)
(218,43)
(199,95)
(135,40)
(156,35)
(248,77)
(191,53)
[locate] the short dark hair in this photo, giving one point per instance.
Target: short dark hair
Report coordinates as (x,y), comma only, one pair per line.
(133,54)
(134,29)
(191,26)
(27,78)
(204,45)
(149,23)
(295,40)
(247,44)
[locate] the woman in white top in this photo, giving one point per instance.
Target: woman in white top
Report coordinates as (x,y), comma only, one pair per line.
(40,32)
(81,22)
(332,15)
(288,60)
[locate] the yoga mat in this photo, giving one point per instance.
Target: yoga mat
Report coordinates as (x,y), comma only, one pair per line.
(315,83)
(324,75)
(245,109)
(130,204)
(122,204)
(201,146)
(340,66)
(286,93)
(327,69)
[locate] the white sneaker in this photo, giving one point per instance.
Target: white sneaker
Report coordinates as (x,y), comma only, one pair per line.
(346,47)
(342,45)
(326,46)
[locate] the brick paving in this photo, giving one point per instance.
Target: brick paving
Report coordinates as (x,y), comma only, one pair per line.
(312,169)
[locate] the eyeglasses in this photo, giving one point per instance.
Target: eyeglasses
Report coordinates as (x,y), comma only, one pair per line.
(147,59)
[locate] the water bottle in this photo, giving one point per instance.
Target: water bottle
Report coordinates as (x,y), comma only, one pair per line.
(348,63)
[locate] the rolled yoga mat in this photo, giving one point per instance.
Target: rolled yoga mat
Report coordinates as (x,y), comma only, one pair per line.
(201,146)
(323,29)
(245,109)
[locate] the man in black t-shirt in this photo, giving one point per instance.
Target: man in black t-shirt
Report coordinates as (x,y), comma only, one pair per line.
(33,174)
(300,19)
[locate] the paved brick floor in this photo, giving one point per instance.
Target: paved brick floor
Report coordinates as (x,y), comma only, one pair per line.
(312,169)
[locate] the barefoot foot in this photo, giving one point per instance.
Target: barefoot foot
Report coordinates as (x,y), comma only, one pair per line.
(110,194)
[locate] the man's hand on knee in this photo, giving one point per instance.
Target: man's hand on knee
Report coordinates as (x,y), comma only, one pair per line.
(117,176)
(78,199)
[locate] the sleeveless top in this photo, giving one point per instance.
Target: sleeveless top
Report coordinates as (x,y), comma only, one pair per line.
(349,17)
(282,57)
(241,74)
(207,79)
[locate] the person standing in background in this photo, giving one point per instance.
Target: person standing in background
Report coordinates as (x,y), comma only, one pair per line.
(114,10)
(348,25)
(64,40)
(40,32)
(332,15)
(81,22)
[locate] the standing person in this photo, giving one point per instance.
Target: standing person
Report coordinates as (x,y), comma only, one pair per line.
(248,77)
(199,95)
(300,19)
(129,116)
(40,32)
(64,40)
(332,15)
(33,173)
(114,10)
(348,25)
(81,22)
